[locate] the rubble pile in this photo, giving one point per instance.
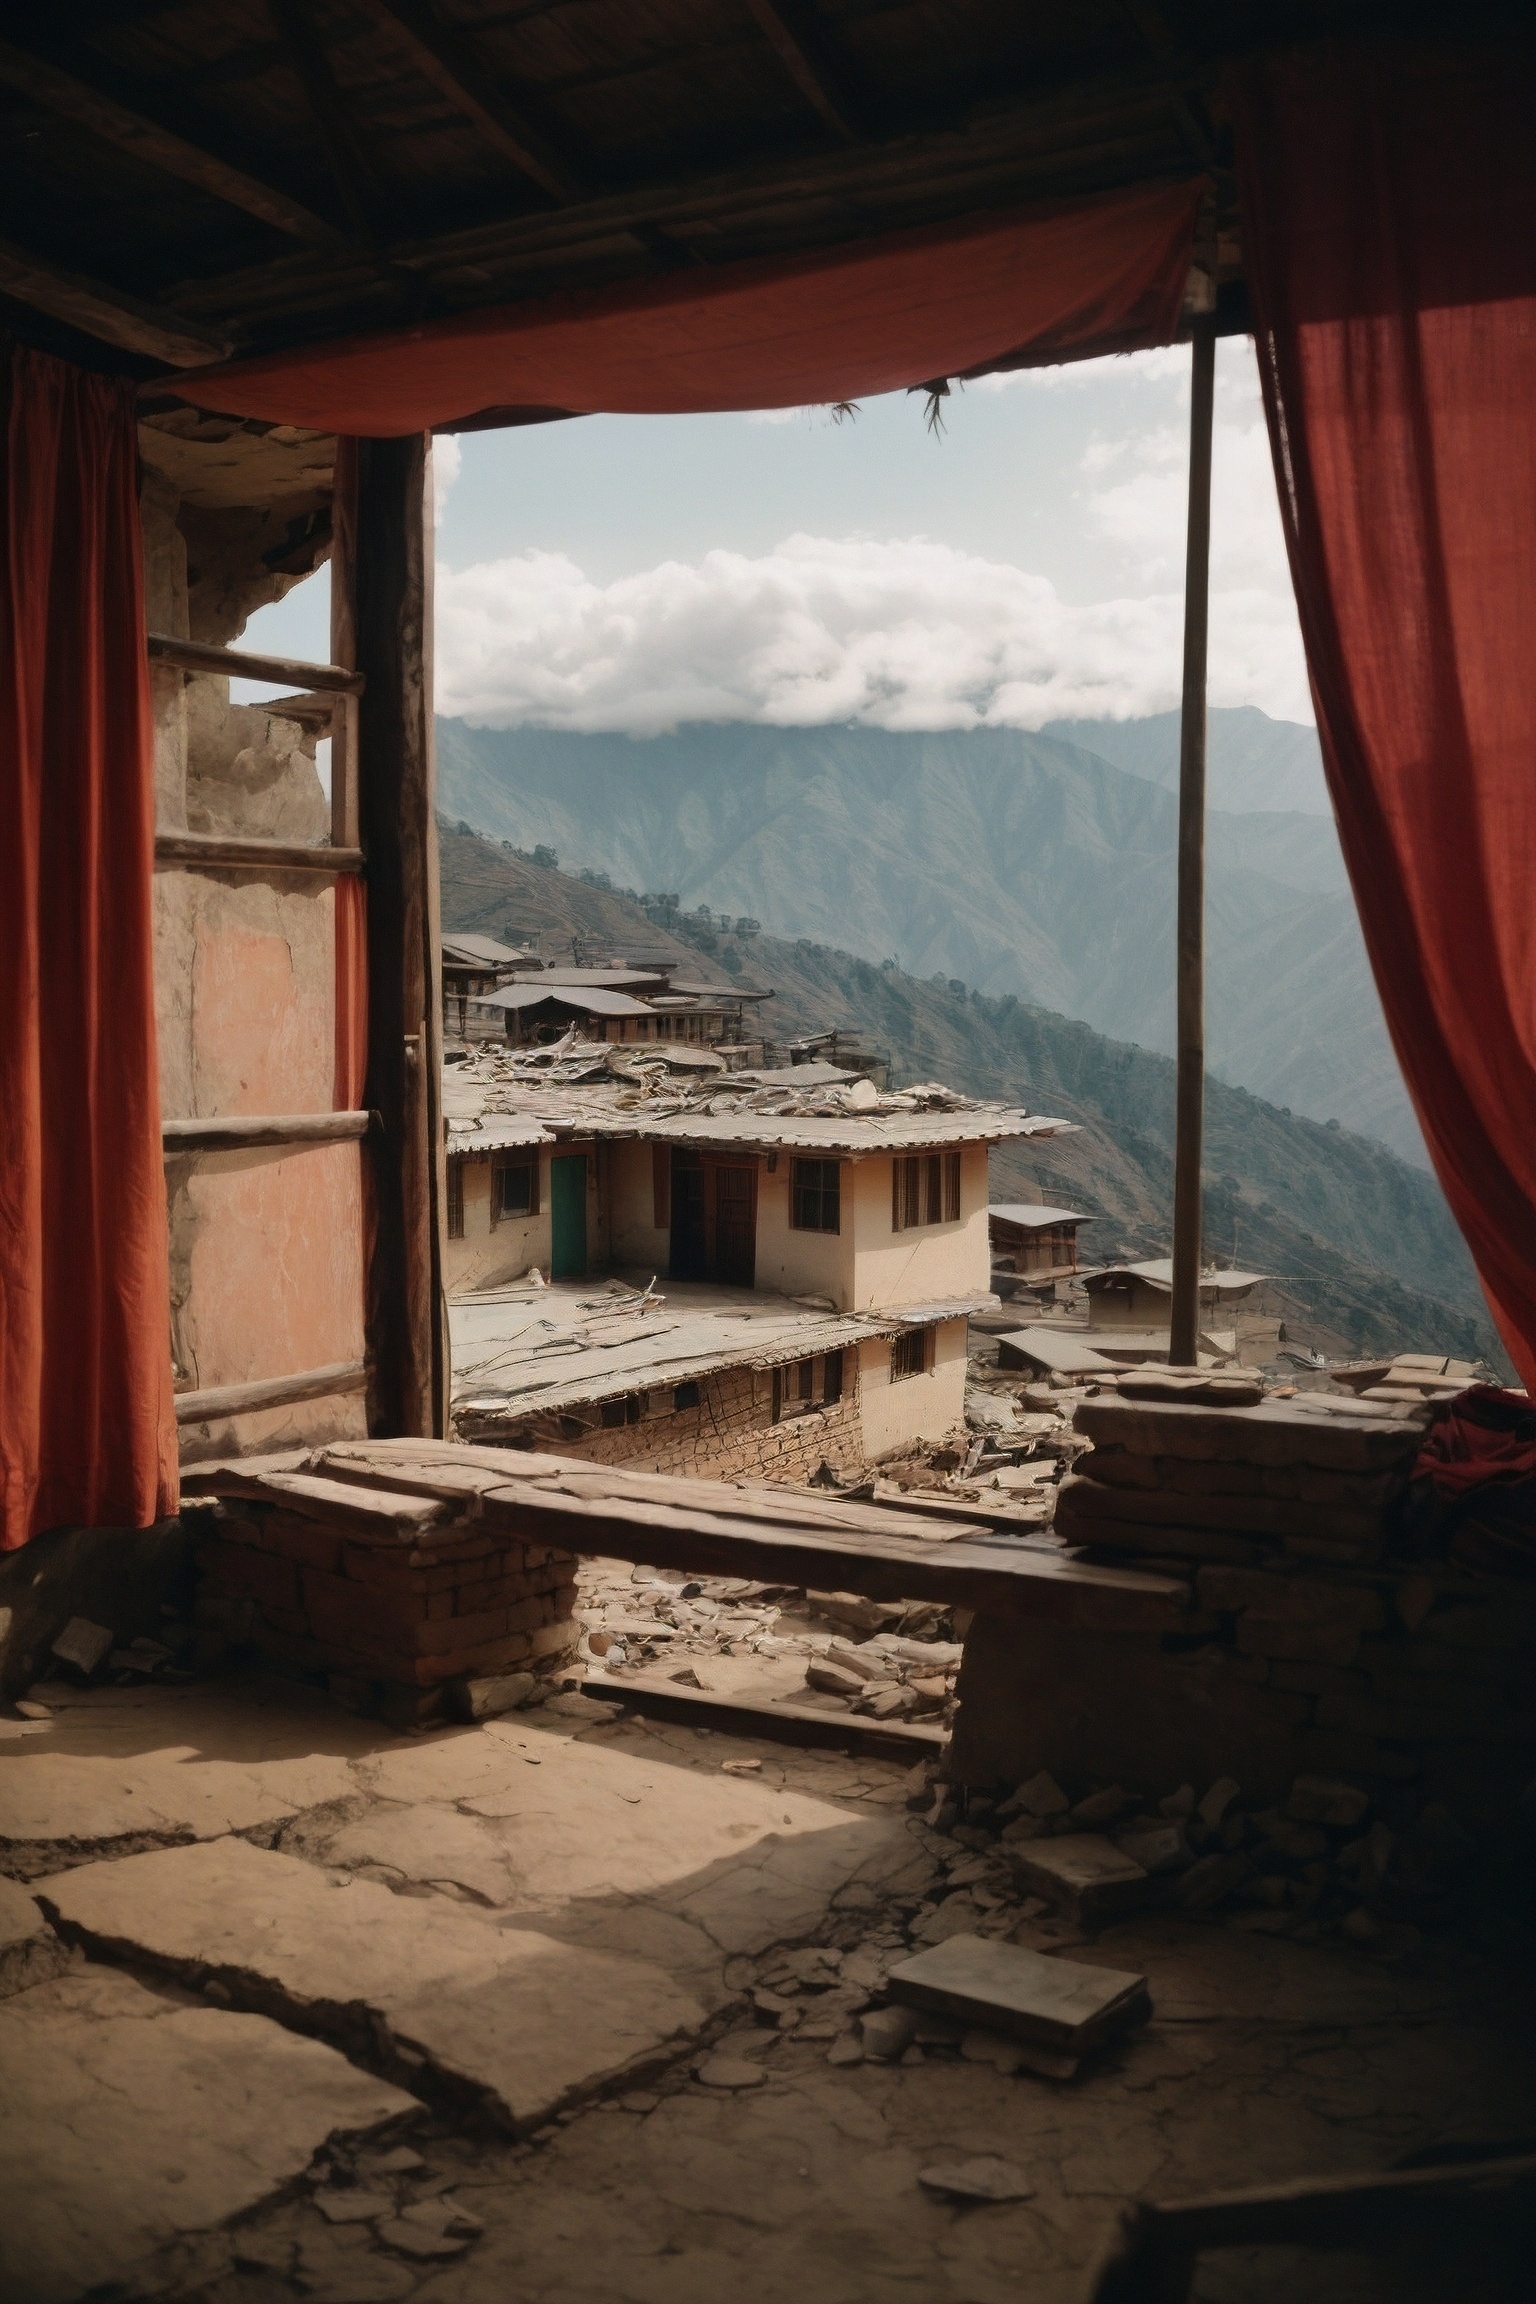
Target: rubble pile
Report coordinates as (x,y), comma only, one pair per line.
(1322,1862)
(662,1081)
(837,1652)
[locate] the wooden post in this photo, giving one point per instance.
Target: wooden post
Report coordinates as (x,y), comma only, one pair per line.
(407,1326)
(1190,1114)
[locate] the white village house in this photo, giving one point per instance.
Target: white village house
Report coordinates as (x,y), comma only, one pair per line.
(786,1261)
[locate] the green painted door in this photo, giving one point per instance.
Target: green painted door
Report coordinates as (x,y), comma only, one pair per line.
(568,1217)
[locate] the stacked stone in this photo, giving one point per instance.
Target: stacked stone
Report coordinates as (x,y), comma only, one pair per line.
(1240,1485)
(1313,1645)
(399,1612)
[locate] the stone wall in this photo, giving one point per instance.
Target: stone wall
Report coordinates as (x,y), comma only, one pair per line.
(1309,1645)
(730,1435)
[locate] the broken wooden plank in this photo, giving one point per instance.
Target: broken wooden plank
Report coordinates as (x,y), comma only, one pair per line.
(390,1517)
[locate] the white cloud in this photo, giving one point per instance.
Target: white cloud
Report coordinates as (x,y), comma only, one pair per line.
(905,632)
(893,633)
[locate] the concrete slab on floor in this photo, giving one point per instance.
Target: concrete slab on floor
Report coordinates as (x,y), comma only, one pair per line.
(501,2014)
(161,1762)
(130,2120)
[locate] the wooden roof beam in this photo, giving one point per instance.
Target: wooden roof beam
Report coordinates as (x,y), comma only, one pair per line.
(158,147)
(790,30)
(106,313)
(351,169)
(442,54)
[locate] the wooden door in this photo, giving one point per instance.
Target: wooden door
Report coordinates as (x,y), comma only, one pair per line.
(568,1216)
(735,1225)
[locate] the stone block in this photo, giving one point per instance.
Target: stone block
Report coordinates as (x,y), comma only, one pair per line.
(1275,1433)
(1088,1500)
(1283,1637)
(1082,1873)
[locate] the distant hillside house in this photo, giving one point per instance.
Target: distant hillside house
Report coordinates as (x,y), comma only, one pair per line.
(539,1004)
(750,1272)
(1033,1242)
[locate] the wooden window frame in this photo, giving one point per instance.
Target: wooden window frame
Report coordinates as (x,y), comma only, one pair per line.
(914,1345)
(455,1199)
(925,1191)
(816,1194)
(510,1163)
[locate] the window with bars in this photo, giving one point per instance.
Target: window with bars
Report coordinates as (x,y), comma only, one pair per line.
(455,1199)
(909,1353)
(925,1189)
(514,1189)
(815,1196)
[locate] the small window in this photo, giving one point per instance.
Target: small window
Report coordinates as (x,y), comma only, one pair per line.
(815,1196)
(685,1396)
(455,1199)
(909,1353)
(629,1410)
(515,1189)
(832,1379)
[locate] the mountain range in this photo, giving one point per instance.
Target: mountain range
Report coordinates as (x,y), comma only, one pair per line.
(1040,866)
(1364,1254)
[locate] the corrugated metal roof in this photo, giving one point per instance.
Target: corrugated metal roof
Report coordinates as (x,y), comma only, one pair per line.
(480,951)
(1158,1273)
(520,1350)
(1033,1218)
(584,1000)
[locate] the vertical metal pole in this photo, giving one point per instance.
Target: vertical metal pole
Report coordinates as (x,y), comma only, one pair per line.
(1185,1319)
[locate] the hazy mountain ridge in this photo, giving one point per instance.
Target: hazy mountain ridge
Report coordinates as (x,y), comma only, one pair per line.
(1361,1242)
(1019,863)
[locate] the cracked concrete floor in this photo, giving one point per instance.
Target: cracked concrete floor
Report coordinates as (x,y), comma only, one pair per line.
(549,1922)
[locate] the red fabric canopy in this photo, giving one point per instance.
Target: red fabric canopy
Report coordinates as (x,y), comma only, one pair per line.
(87,1432)
(876,316)
(1389,198)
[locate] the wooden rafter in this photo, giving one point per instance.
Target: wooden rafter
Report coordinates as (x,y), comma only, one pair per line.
(445,57)
(351,169)
(158,147)
(790,30)
(106,313)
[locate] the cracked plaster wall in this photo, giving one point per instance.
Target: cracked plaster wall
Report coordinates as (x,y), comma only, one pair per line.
(266,1247)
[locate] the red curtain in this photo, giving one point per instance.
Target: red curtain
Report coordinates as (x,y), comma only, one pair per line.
(1389,219)
(87,1431)
(1043,283)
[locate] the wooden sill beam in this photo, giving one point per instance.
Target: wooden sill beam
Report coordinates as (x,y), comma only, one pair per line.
(221,1400)
(159,147)
(236,664)
(243,1132)
(106,313)
(213,852)
(441,54)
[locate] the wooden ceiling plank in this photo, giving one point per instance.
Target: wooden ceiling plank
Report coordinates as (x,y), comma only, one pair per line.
(106,313)
(351,169)
(159,147)
(442,54)
(796,41)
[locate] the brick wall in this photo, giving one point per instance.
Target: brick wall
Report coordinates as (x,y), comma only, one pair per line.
(729,1435)
(405,1612)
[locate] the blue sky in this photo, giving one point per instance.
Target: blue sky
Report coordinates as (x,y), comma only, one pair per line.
(1024,565)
